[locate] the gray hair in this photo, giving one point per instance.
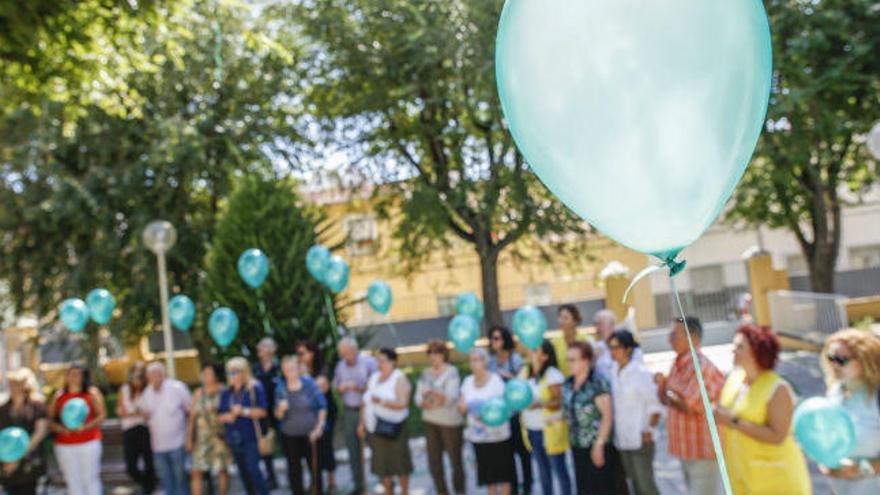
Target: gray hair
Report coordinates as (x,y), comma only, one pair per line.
(480,353)
(268,343)
(348,342)
(156,366)
(606,315)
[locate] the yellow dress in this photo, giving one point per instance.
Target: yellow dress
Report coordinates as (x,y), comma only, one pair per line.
(560,347)
(755,467)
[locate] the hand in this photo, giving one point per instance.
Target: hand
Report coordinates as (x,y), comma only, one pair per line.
(9,468)
(361,431)
(848,470)
(722,416)
(236,410)
(281,408)
(597,454)
(315,434)
(647,437)
(660,379)
(188,446)
(376,400)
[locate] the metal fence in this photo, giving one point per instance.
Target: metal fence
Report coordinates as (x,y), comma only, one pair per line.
(807,315)
(707,306)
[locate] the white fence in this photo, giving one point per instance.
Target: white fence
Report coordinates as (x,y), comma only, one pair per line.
(807,315)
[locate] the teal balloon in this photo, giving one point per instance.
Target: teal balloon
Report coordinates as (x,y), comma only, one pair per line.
(14,442)
(494,412)
(529,324)
(824,430)
(101,305)
(253,267)
(463,332)
(317,260)
(223,326)
(74,314)
(640,116)
(182,312)
(469,304)
(518,394)
(379,296)
(74,413)
(336,274)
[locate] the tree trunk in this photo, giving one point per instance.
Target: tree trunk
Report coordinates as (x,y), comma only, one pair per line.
(489,279)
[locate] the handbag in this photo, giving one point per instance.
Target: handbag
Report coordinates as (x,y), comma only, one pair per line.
(265,441)
(388,429)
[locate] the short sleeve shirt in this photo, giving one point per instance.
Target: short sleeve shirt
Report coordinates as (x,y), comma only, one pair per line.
(476,431)
(242,430)
(580,410)
(533,419)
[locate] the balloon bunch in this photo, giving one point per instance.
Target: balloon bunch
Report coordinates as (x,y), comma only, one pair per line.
(75,313)
(464,328)
(330,270)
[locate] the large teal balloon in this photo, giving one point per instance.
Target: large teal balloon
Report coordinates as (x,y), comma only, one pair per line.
(640,116)
(463,332)
(253,267)
(317,259)
(74,314)
(529,324)
(494,412)
(824,430)
(223,326)
(518,394)
(101,305)
(469,304)
(14,442)
(379,296)
(74,413)
(336,274)
(182,312)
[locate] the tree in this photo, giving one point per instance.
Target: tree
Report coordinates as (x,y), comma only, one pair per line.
(265,214)
(407,90)
(74,202)
(825,97)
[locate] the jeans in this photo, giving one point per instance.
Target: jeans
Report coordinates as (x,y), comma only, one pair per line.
(172,471)
(447,439)
(350,418)
(136,445)
(247,458)
(80,464)
(701,476)
(639,467)
(548,464)
(296,449)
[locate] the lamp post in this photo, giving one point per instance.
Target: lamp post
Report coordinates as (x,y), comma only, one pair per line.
(159,237)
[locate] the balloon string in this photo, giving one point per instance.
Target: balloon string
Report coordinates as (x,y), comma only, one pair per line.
(266,327)
(331,314)
(710,418)
(675,267)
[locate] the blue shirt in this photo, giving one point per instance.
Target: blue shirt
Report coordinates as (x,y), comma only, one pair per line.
(242,430)
(512,366)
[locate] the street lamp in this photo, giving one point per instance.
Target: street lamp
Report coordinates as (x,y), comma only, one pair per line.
(159,236)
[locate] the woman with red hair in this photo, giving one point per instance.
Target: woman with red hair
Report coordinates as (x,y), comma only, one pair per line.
(755,413)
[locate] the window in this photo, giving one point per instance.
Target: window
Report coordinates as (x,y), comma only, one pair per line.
(708,278)
(361,235)
(795,263)
(538,294)
(861,257)
(446,305)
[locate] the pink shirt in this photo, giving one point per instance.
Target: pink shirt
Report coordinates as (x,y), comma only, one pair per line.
(168,408)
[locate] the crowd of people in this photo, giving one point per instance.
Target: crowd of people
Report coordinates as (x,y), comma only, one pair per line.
(591,427)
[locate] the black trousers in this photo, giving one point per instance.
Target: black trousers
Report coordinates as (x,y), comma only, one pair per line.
(524,456)
(136,447)
(298,449)
(29,488)
(593,480)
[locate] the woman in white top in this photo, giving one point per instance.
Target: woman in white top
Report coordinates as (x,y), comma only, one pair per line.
(386,408)
(135,433)
(437,395)
(492,444)
(636,412)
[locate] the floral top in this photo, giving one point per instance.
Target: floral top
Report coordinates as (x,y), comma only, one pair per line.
(579,408)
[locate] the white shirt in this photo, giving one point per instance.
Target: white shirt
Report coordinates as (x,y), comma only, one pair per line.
(476,431)
(534,419)
(386,391)
(168,408)
(634,397)
(604,361)
(129,422)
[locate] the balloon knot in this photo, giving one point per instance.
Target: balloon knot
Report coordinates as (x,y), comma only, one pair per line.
(675,267)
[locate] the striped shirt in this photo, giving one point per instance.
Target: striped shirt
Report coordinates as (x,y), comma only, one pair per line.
(689,437)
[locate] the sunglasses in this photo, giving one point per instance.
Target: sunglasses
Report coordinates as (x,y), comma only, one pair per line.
(841,361)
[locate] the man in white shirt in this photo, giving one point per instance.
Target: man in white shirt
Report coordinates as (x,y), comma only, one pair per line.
(165,404)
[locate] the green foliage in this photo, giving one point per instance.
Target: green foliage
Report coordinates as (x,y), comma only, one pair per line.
(265,214)
(825,98)
(407,89)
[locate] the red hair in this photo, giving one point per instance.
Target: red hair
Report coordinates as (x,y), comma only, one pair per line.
(763,342)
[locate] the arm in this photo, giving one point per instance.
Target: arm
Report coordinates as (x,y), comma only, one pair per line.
(779,411)
(191,423)
(41,430)
(52,413)
(450,390)
(555,401)
(318,430)
(121,411)
(603,403)
(100,409)
(258,409)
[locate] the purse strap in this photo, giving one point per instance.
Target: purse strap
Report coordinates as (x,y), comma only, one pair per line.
(257,429)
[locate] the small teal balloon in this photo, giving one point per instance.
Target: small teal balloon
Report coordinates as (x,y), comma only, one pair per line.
(223,326)
(463,332)
(640,116)
(529,324)
(101,305)
(518,394)
(494,412)
(824,430)
(469,304)
(74,314)
(336,274)
(14,442)
(182,312)
(253,267)
(379,296)
(317,260)
(74,413)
